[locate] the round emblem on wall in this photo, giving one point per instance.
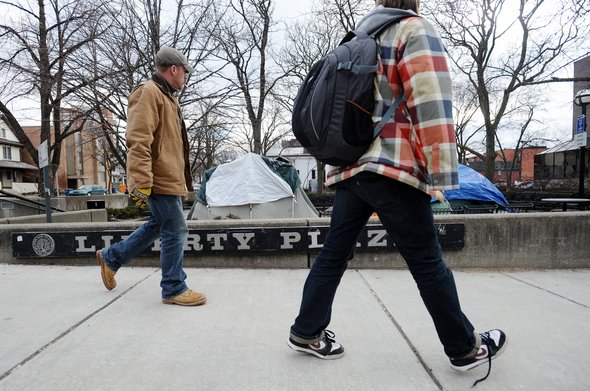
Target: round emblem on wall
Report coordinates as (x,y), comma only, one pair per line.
(43,245)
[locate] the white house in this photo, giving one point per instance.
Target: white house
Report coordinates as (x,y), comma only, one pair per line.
(11,166)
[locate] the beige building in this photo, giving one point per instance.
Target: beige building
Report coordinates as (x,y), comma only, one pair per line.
(12,168)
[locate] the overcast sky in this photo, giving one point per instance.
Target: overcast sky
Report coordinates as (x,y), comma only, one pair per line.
(558,113)
(292,8)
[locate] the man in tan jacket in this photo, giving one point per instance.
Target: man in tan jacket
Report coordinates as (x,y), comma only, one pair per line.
(158,174)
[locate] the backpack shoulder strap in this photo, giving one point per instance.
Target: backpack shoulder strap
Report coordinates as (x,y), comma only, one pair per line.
(349,65)
(388,114)
(355,68)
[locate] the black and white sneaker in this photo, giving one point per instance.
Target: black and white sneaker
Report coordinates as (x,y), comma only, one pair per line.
(326,348)
(492,345)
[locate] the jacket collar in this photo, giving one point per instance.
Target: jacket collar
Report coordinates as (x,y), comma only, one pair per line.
(164,85)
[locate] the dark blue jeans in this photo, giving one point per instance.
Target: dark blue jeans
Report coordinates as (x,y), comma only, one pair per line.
(168,223)
(406,214)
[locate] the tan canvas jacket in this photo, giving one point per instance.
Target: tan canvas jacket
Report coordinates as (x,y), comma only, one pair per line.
(157,142)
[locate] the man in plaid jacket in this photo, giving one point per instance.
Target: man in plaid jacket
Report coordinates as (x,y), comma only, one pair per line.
(414,156)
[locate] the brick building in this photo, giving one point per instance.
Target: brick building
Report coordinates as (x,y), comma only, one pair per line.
(84,154)
(523,165)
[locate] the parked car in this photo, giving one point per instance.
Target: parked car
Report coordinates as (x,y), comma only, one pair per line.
(89,190)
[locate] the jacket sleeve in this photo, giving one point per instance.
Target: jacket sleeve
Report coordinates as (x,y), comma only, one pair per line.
(142,122)
(424,74)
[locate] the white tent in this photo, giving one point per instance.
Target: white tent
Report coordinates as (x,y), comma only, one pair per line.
(252,187)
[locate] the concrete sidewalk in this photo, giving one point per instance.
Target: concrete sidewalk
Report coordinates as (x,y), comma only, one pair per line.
(61,330)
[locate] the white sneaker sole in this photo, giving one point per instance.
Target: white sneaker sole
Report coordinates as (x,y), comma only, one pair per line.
(309,351)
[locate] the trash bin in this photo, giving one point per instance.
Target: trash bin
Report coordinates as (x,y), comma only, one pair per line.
(95,204)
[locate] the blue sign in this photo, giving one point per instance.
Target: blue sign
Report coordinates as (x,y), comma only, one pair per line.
(581,124)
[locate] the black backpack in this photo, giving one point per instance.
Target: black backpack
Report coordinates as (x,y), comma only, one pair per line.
(332,113)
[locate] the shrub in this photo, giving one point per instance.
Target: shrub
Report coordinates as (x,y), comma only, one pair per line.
(130,212)
(228,217)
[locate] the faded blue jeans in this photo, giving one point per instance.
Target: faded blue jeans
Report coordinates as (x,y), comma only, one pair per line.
(406,214)
(168,223)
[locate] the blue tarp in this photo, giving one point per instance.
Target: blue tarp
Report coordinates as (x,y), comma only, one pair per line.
(474,186)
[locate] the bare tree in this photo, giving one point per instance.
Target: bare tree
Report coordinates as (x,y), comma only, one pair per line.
(512,162)
(465,108)
(125,56)
(37,44)
(209,139)
(500,50)
(311,39)
(276,128)
(244,38)
(129,50)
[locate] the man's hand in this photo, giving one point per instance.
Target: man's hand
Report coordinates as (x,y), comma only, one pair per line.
(140,196)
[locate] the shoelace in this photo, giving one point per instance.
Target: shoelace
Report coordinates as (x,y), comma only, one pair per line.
(486,340)
(329,335)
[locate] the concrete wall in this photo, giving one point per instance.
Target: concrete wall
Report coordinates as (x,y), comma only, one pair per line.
(11,207)
(72,203)
(113,201)
(81,218)
(523,240)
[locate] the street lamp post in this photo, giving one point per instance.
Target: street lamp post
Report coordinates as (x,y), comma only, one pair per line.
(582,99)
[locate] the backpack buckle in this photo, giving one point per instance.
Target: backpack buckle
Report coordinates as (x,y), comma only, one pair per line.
(345,66)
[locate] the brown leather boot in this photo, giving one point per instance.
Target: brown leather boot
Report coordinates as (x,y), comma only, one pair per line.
(187,298)
(108,274)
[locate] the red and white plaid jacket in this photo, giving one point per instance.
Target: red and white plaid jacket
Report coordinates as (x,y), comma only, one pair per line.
(417,146)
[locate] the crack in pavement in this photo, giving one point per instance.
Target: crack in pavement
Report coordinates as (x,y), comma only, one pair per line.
(72,328)
(545,290)
(401,331)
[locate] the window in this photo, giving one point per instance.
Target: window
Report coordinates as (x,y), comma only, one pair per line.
(7,153)
(6,205)
(2,133)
